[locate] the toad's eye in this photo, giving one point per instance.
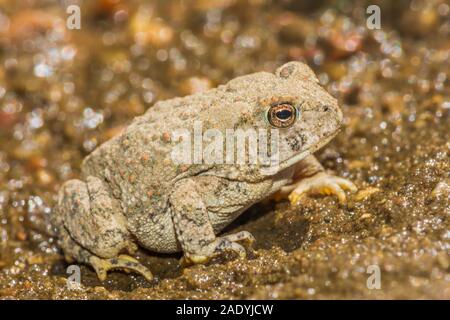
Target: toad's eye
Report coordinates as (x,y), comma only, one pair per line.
(281,115)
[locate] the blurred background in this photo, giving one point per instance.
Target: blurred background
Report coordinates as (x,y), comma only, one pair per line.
(65,91)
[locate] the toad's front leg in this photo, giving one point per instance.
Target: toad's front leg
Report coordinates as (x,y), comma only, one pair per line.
(194,230)
(311,178)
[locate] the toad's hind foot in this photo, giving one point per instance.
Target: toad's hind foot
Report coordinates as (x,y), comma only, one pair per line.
(320,183)
(123,262)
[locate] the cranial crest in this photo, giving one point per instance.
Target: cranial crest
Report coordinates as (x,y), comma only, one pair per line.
(296,69)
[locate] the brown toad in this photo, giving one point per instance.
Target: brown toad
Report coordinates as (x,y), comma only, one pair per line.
(133,192)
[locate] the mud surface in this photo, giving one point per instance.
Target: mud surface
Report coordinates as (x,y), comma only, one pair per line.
(63,92)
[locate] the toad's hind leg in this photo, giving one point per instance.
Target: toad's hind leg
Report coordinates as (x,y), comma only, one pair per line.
(92,228)
(101,266)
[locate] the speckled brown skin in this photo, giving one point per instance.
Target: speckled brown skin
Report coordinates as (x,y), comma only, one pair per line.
(133,192)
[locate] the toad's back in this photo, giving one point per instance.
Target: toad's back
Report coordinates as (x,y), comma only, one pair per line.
(137,164)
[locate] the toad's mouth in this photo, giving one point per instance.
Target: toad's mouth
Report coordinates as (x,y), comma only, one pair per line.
(274,169)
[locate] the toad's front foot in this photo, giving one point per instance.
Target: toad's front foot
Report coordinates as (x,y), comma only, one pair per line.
(123,262)
(320,183)
(221,244)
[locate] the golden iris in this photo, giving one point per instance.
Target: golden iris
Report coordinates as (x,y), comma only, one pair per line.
(281,115)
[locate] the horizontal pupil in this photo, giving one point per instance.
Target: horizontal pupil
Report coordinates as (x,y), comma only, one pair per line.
(284,114)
